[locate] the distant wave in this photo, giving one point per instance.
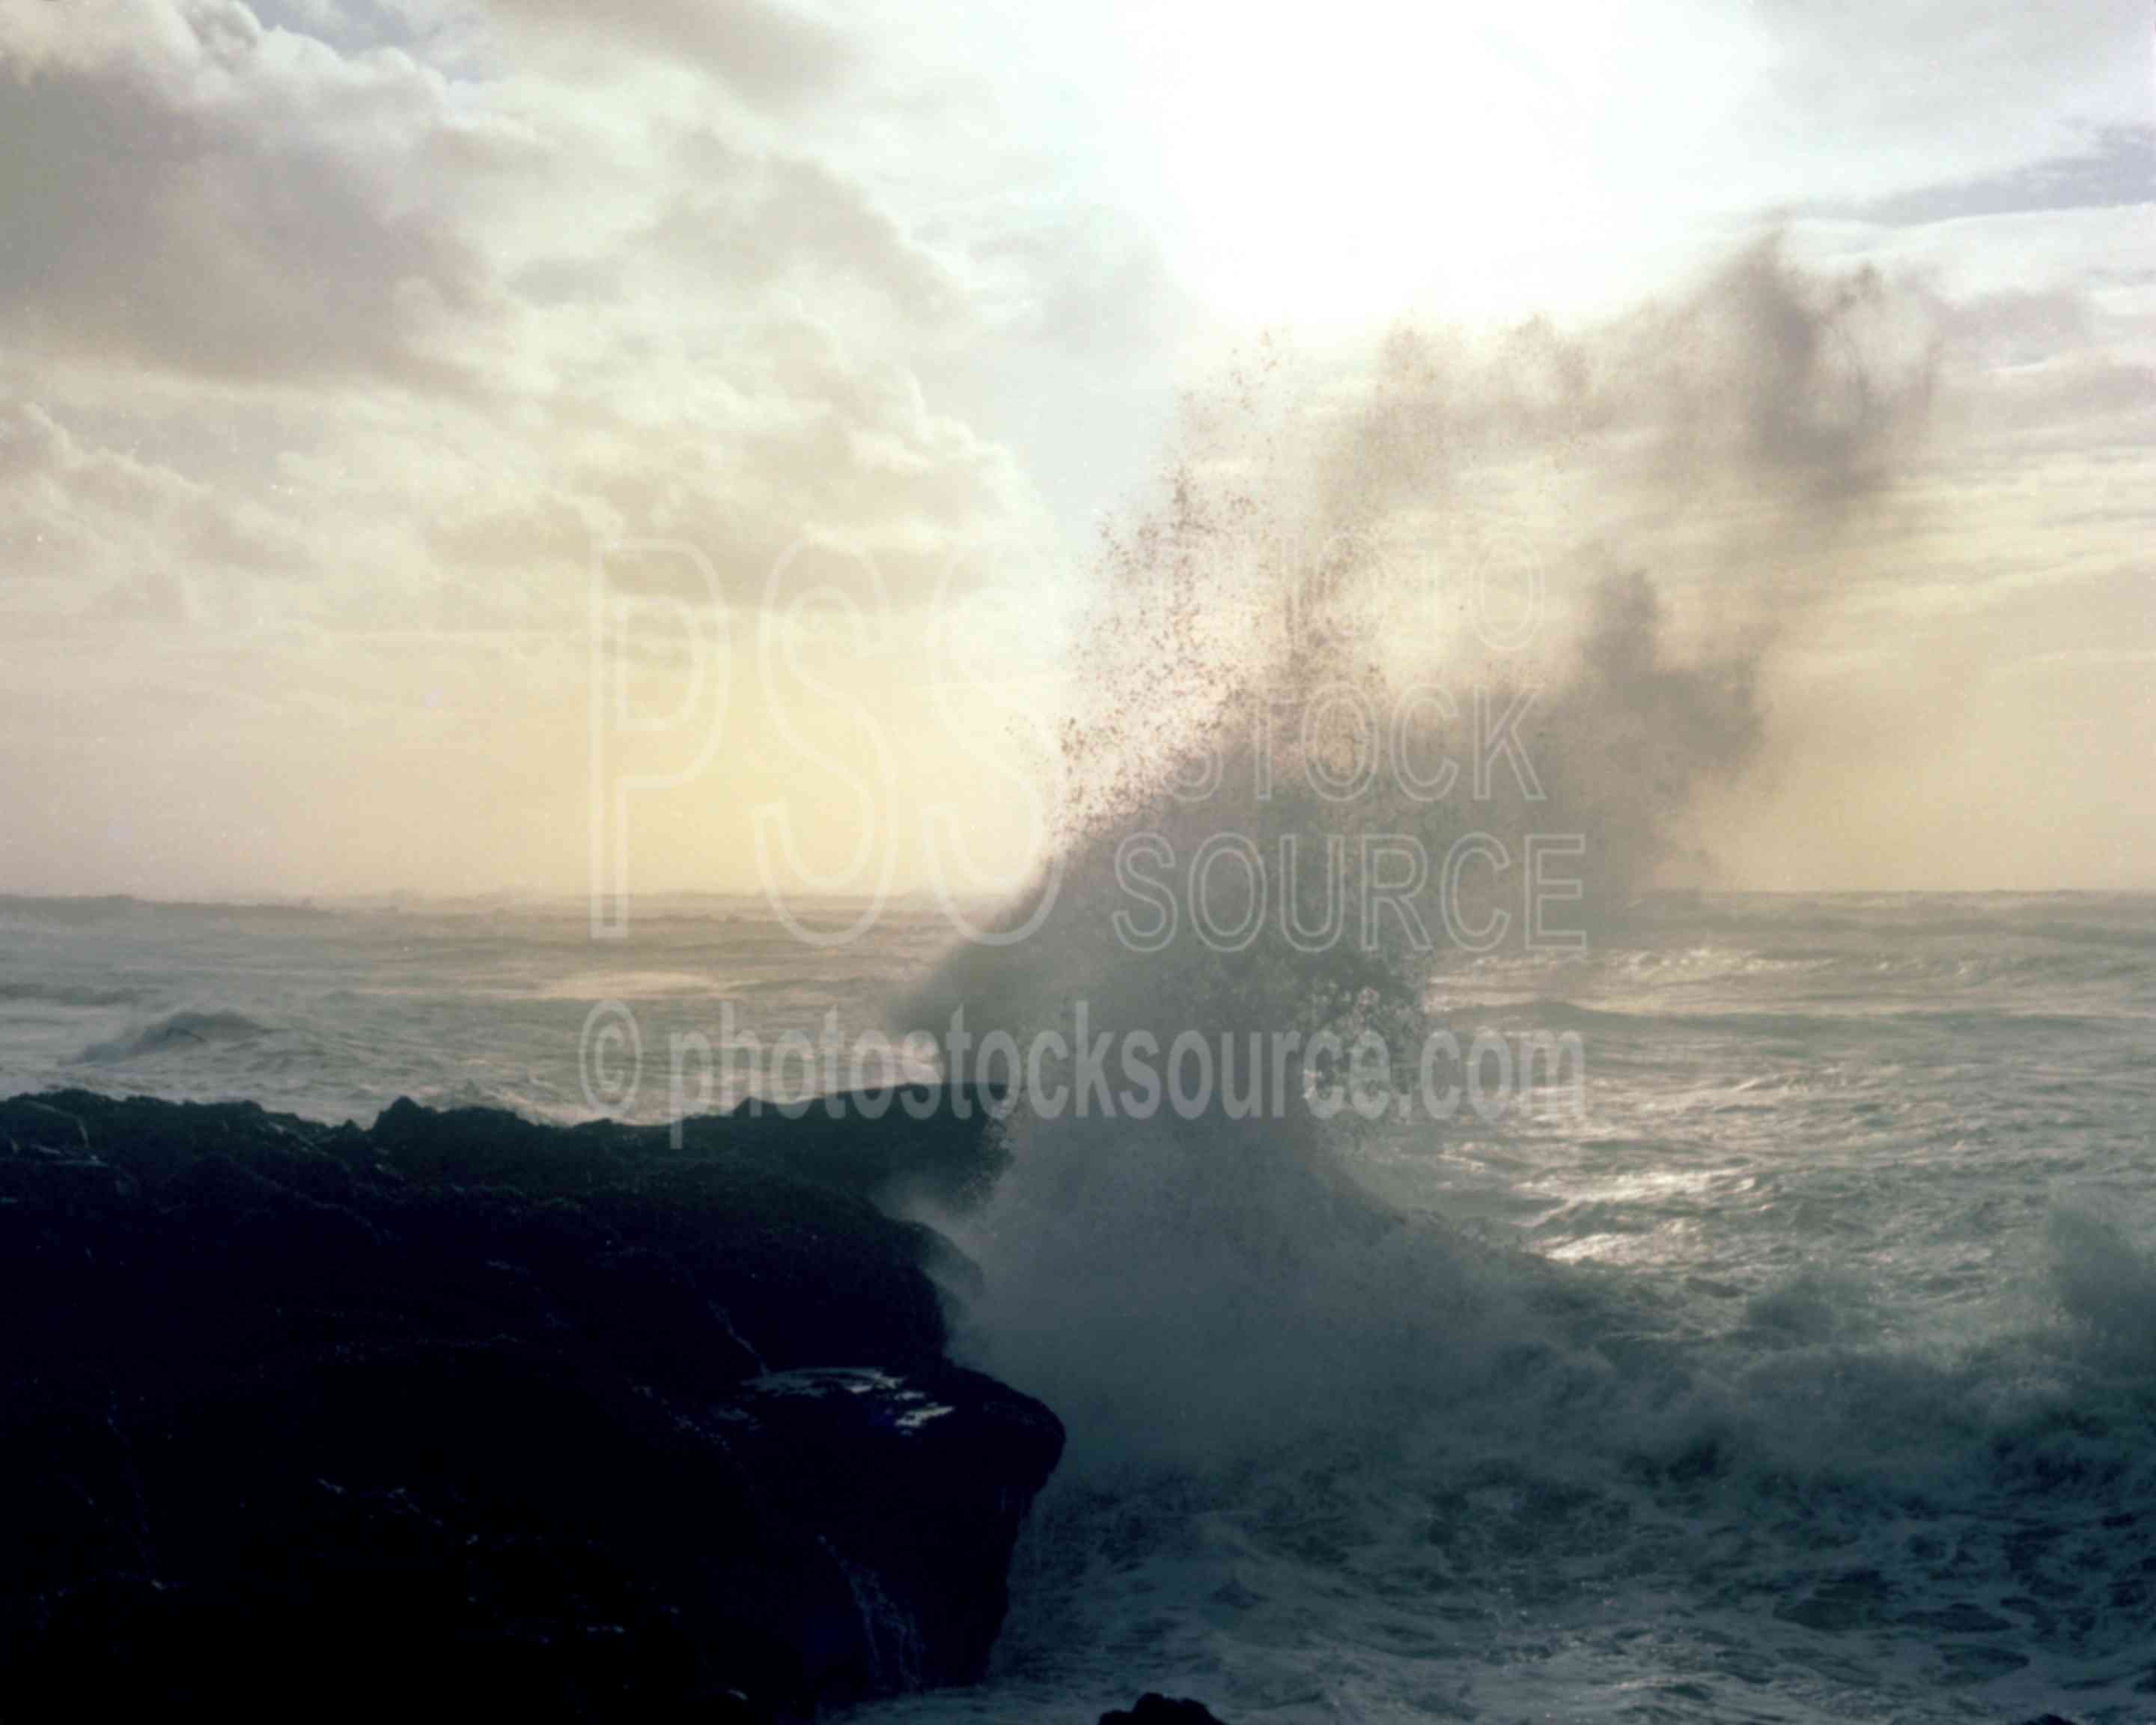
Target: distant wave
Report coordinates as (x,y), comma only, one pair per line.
(67,911)
(1569,1015)
(70,912)
(177,1029)
(2116,921)
(67,994)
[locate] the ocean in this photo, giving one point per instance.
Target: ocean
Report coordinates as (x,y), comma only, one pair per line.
(1797,1363)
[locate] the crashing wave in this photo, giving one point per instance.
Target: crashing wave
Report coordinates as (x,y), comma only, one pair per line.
(175,1032)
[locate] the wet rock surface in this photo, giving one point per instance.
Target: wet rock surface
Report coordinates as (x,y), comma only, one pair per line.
(461,1410)
(1153,1709)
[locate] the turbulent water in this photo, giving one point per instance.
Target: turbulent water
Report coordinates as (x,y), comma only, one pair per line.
(1801,1366)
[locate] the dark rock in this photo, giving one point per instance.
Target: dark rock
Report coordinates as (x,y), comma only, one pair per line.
(1161,1710)
(466,1407)
(940,1145)
(943,1146)
(891,1471)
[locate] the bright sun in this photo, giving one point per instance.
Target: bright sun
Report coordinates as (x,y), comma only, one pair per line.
(1395,160)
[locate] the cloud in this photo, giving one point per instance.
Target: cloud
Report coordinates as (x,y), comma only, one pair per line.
(83,516)
(2116,170)
(1980,87)
(723,356)
(334,334)
(744,222)
(176,195)
(770,55)
(812,442)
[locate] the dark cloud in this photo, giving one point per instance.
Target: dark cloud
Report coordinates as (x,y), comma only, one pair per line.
(145,223)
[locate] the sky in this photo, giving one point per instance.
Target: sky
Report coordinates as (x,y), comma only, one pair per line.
(459,448)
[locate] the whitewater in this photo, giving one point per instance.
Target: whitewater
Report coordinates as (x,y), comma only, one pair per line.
(1798,1368)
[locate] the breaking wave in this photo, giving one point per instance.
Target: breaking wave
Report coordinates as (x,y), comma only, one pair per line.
(1330,1450)
(185,1031)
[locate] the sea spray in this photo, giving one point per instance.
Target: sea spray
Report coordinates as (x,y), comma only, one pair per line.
(1376,685)
(1355,1457)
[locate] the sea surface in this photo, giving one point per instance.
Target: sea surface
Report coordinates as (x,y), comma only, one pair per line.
(1800,1366)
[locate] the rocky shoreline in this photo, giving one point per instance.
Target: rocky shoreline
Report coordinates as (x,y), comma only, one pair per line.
(459,1410)
(462,1409)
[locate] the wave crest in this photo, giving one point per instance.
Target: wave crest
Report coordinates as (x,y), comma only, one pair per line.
(174,1031)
